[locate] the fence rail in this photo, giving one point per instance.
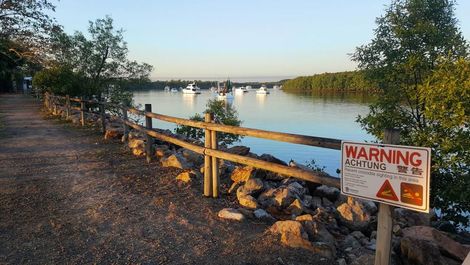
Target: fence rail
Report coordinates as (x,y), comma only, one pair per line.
(209,150)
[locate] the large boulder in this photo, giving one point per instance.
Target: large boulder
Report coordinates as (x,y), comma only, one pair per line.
(193,157)
(185,176)
(113,133)
(177,161)
(317,232)
(231,214)
(272,159)
(295,208)
(242,174)
(135,142)
(253,186)
(283,197)
(239,150)
(354,214)
(331,193)
(411,218)
(422,252)
(293,235)
(245,199)
(447,246)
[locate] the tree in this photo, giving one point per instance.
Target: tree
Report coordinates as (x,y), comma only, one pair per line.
(100,64)
(223,114)
(24,36)
(410,41)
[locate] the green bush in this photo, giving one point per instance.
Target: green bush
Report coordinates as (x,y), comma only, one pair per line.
(223,114)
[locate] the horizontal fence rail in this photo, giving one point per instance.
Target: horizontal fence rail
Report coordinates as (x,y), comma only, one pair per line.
(210,150)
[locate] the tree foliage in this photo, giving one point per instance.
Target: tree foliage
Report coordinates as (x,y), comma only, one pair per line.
(99,63)
(223,114)
(403,59)
(340,81)
(25,27)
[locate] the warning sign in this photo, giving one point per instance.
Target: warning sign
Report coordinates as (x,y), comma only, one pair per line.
(391,174)
(387,192)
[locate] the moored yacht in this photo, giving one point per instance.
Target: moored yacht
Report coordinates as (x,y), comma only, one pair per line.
(192,89)
(262,90)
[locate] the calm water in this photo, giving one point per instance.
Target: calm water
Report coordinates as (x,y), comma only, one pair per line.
(330,115)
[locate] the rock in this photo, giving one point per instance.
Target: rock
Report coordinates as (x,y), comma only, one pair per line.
(358,235)
(245,199)
(341,261)
(295,208)
(185,176)
(447,246)
(283,197)
(331,193)
(175,160)
(292,234)
(253,185)
(364,259)
(266,198)
(193,157)
(411,218)
(246,212)
(272,159)
(239,150)
(318,232)
(231,214)
(316,202)
(354,214)
(396,229)
(305,217)
(350,242)
(421,252)
(135,143)
(135,135)
(242,174)
(138,151)
(297,189)
(326,202)
(307,201)
(113,133)
(263,215)
(162,151)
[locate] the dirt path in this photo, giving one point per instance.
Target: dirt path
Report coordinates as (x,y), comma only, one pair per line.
(69,197)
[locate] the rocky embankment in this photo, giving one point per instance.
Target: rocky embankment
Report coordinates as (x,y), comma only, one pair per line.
(306,215)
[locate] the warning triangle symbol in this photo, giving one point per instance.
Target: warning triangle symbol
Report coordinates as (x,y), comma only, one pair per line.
(387,192)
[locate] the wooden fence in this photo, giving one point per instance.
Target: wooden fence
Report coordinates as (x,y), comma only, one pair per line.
(210,149)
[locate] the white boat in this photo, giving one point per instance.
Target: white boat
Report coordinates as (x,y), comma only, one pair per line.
(276,87)
(167,88)
(174,90)
(192,89)
(262,90)
(241,90)
(248,88)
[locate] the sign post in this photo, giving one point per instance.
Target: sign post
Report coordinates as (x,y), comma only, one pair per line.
(390,174)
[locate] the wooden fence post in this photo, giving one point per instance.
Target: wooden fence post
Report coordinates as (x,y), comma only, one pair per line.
(125,126)
(46,100)
(82,111)
(385,217)
(149,139)
(103,116)
(54,110)
(215,165)
(207,159)
(67,107)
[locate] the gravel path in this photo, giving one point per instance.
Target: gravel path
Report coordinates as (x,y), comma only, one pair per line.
(69,197)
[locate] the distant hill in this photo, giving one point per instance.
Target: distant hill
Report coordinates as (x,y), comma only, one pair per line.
(340,81)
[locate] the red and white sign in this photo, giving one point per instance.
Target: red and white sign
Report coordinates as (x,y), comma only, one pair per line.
(392,174)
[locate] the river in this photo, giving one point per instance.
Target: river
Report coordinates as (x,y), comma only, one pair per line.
(330,115)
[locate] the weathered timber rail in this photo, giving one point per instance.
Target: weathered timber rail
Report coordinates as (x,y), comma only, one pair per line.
(209,150)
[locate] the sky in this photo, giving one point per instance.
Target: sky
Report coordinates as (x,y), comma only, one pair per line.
(259,40)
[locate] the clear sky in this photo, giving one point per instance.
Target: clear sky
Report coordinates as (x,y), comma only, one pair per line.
(260,39)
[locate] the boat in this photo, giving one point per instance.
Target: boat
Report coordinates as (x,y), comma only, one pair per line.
(224,90)
(248,88)
(174,90)
(192,89)
(276,87)
(241,90)
(167,89)
(263,90)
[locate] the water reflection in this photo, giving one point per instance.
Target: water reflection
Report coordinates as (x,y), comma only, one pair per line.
(190,100)
(261,100)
